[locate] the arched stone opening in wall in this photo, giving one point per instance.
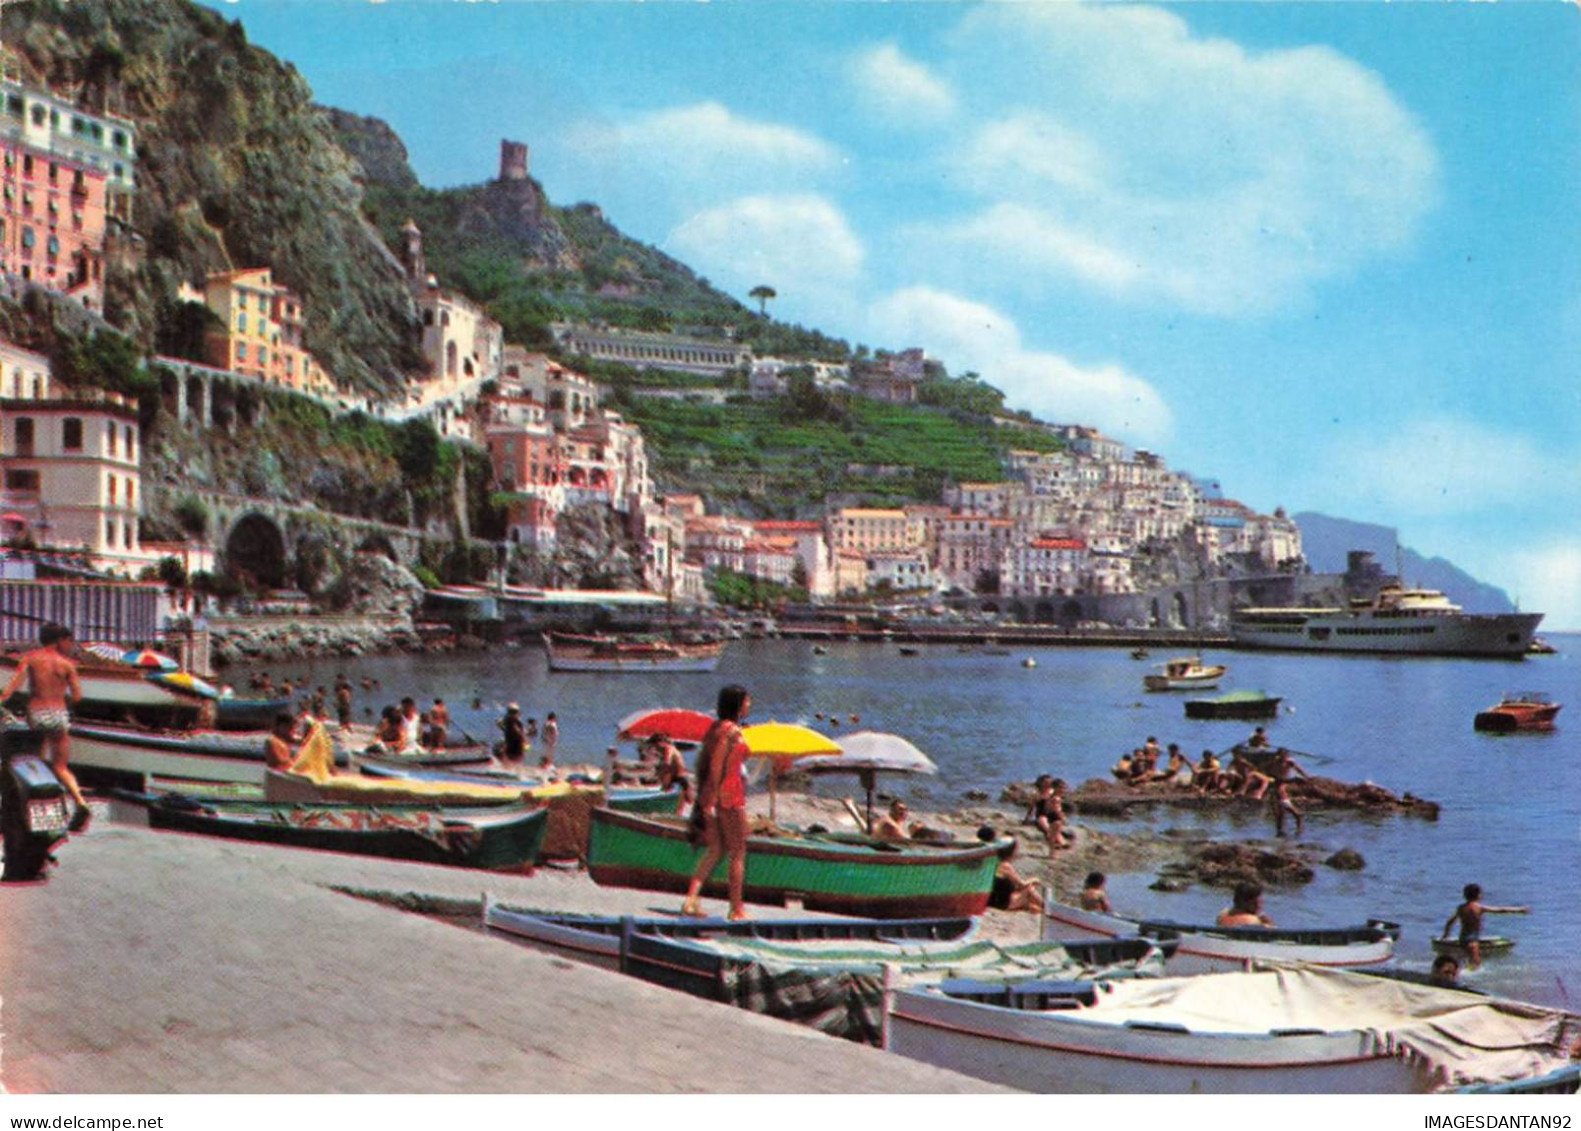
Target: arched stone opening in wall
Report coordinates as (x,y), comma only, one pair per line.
(990,606)
(1182,610)
(247,407)
(1043,612)
(378,544)
(1155,617)
(1070,614)
(255,550)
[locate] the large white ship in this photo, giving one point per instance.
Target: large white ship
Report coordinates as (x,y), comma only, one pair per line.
(1415,622)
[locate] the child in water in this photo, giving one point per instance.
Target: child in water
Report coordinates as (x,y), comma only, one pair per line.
(1469,914)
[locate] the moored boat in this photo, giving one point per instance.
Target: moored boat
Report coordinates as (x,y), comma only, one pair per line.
(1185,673)
(1207,948)
(234,713)
(1519,710)
(1279,1030)
(504,838)
(835,975)
(851,875)
(1398,621)
(568,653)
(1234,705)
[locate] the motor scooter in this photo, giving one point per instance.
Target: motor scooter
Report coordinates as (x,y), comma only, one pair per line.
(35,811)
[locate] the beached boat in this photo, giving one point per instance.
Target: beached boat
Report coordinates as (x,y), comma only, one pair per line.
(1279,1030)
(570,803)
(835,975)
(851,875)
(1520,710)
(1234,705)
(1185,673)
(233,713)
(114,690)
(1213,948)
(106,754)
(569,653)
(504,838)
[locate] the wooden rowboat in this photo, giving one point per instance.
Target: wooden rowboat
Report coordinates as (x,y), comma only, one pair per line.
(849,875)
(497,839)
(833,974)
(1235,705)
(1278,1030)
(1208,948)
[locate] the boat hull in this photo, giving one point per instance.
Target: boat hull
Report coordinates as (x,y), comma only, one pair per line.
(1055,1052)
(1504,635)
(1206,953)
(494,840)
(567,654)
(1507,720)
(105,755)
(1265,708)
(823,875)
(119,688)
(249,714)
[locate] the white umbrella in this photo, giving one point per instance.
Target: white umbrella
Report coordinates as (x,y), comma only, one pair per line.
(866,754)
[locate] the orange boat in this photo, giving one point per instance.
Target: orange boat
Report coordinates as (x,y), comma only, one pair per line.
(1524,710)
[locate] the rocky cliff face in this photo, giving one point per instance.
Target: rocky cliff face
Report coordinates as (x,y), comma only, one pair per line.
(236,168)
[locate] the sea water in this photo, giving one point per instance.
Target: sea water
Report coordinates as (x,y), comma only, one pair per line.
(1511,804)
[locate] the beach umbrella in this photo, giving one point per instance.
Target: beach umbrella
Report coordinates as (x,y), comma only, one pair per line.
(113,652)
(147,658)
(781,742)
(675,723)
(869,753)
(185,681)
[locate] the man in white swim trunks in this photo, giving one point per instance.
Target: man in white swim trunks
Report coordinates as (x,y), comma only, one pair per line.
(52,684)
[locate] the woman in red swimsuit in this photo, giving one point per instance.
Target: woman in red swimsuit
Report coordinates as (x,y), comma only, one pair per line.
(722,800)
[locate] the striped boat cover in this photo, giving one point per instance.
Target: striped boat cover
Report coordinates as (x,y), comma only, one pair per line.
(838,986)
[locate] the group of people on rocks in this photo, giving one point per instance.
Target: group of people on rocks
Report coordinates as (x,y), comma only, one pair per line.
(1245,774)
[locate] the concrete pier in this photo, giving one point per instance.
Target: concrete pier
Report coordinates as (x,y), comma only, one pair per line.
(155,962)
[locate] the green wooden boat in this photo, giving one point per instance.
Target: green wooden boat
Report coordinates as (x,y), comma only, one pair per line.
(1492,944)
(850,875)
(497,838)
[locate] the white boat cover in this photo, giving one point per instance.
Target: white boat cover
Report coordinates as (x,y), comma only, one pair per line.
(1458,1038)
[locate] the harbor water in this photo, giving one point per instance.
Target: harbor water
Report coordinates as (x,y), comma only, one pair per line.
(1511,805)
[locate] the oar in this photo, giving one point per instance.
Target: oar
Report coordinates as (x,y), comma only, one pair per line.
(850,807)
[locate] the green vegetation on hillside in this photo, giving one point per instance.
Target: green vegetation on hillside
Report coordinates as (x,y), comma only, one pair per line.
(784,457)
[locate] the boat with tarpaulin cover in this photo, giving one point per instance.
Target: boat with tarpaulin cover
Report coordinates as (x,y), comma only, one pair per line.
(1284,1029)
(835,975)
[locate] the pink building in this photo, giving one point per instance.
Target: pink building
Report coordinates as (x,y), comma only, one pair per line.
(52,221)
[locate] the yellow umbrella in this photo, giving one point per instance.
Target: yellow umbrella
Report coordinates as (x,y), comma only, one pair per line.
(786,740)
(782,742)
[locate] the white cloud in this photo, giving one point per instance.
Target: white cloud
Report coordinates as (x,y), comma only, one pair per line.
(1548,581)
(1228,181)
(1443,466)
(970,336)
(701,149)
(898,88)
(799,244)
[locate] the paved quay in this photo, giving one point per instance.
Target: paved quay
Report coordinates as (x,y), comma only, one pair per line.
(155,962)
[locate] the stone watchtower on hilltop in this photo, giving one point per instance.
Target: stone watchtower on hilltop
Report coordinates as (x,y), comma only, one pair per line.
(513,160)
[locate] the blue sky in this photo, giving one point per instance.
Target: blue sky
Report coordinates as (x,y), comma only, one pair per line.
(1326,253)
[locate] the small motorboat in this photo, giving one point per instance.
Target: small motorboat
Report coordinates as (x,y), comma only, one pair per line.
(1140,653)
(1519,710)
(910,650)
(1185,673)
(1235,705)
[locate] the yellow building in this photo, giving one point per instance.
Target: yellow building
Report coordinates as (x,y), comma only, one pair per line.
(263,335)
(873,528)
